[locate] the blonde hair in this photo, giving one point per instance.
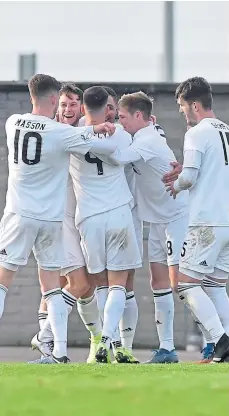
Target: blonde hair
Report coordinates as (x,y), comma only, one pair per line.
(137,101)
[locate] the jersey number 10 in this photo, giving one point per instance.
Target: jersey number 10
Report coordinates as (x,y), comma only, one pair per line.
(25,143)
(224,144)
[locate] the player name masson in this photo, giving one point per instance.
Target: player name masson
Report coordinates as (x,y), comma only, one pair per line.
(30,124)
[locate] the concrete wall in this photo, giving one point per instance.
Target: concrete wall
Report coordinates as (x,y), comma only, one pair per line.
(19,322)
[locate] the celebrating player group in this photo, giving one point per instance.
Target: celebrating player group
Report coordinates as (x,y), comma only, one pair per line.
(80,186)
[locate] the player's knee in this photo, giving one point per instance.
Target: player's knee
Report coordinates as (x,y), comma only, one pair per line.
(78,283)
(63,281)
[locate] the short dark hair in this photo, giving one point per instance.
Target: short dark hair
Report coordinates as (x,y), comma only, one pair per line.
(111,92)
(137,101)
(195,89)
(69,88)
(41,84)
(95,98)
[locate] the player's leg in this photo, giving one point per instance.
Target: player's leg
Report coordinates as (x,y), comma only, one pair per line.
(128,322)
(17,236)
(42,313)
(203,247)
(79,288)
(122,254)
(175,232)
(92,232)
(48,249)
(88,310)
(73,260)
(129,318)
(162,295)
(214,285)
(101,281)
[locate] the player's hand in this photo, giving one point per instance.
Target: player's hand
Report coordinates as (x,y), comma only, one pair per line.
(104,128)
(170,188)
(173,174)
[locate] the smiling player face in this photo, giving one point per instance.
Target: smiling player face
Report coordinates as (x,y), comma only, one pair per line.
(69,109)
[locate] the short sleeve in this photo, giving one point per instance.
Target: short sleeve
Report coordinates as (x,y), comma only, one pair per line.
(10,122)
(195,140)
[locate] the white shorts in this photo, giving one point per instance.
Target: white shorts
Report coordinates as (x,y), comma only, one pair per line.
(20,235)
(205,249)
(72,249)
(166,241)
(108,241)
(138,226)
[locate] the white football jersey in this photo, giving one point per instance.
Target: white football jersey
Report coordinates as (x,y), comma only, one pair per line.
(152,157)
(39,152)
(209,196)
(98,185)
(130,168)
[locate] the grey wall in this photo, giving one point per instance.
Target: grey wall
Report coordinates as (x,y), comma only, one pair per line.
(19,322)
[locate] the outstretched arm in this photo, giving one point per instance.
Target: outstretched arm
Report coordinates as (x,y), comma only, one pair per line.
(124,156)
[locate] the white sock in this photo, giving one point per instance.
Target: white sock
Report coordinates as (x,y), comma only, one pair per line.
(58,319)
(164,315)
(42,316)
(69,299)
(116,340)
(202,308)
(101,296)
(3,293)
(113,312)
(44,321)
(89,313)
(206,335)
(129,321)
(217,292)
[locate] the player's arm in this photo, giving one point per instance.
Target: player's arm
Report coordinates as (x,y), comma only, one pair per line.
(177,169)
(194,148)
(81,140)
(125,156)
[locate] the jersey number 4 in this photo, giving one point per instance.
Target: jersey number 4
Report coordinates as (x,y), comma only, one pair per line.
(25,143)
(96,160)
(224,144)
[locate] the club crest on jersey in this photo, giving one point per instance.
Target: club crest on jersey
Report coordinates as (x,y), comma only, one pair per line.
(135,169)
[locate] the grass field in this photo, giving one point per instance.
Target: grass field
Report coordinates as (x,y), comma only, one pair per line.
(114,390)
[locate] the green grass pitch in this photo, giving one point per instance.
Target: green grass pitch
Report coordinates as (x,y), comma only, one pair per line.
(114,390)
